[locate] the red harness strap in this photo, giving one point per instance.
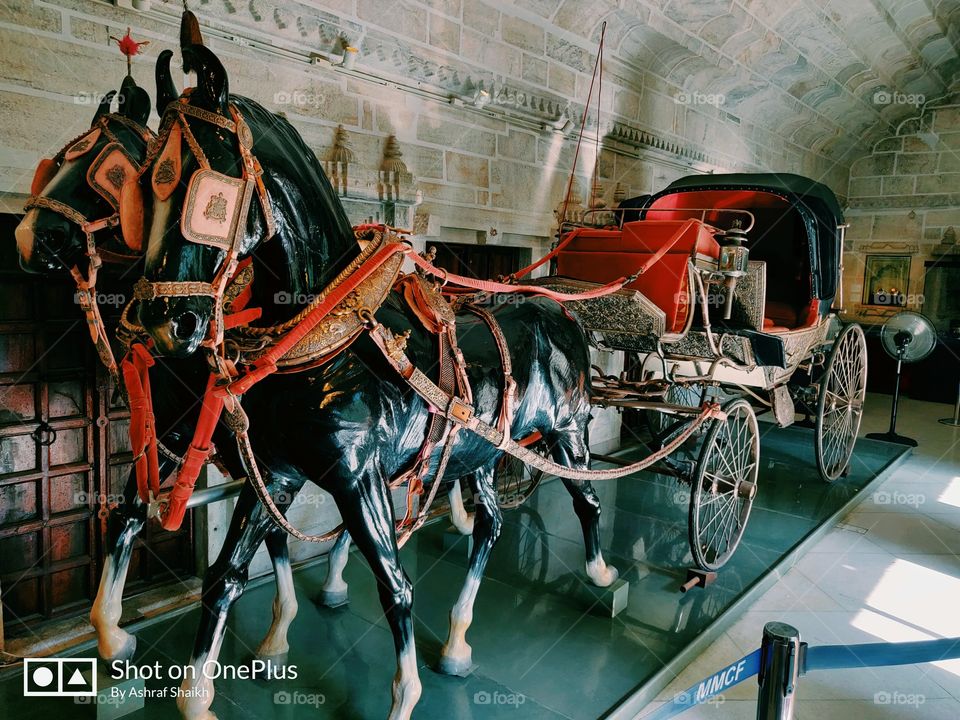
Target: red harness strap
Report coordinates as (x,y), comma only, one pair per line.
(143,432)
(171,516)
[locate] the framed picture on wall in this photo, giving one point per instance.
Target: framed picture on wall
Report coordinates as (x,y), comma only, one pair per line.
(886,280)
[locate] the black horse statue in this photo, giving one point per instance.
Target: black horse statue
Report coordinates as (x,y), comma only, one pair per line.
(350,424)
(50,239)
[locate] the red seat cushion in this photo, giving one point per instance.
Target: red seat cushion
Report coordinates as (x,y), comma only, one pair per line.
(602,256)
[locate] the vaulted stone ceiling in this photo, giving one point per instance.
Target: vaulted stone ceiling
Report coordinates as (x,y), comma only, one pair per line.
(832,76)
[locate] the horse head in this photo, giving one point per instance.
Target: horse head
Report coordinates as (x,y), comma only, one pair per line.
(229,177)
(81,199)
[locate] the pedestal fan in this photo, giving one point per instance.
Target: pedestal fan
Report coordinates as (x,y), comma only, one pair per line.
(907,337)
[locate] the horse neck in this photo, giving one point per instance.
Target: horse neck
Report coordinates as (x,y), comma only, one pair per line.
(292,268)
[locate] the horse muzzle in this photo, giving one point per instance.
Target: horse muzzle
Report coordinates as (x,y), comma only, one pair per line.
(177,325)
(43,241)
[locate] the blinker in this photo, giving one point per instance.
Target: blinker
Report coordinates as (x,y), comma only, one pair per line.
(110,171)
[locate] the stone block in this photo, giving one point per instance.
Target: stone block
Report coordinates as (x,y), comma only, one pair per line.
(447,7)
(467,169)
(490,54)
(916,163)
(481,17)
(566,52)
(402,18)
(444,33)
(30,15)
(949,163)
(455,136)
(898,185)
(943,218)
(534,69)
(427,163)
(518,145)
(896,226)
(947,119)
(879,164)
(862,186)
(522,34)
(891,144)
(447,193)
(944,183)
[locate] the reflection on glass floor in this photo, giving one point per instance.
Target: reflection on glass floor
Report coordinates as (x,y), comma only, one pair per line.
(539,652)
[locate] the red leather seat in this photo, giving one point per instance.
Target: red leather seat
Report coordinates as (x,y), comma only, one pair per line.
(604,255)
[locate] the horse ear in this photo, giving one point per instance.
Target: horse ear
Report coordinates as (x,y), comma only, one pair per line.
(104,108)
(134,101)
(166,91)
(212,89)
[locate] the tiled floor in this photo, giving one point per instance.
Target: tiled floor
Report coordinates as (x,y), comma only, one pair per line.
(533,636)
(889,572)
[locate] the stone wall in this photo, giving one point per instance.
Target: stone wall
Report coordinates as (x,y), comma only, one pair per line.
(904,200)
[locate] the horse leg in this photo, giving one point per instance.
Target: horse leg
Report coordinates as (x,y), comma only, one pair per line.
(285,603)
(571,449)
(124,524)
(461,519)
(334,591)
(456,656)
(223,583)
(368,514)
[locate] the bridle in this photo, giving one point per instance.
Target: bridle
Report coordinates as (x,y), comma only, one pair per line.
(108,181)
(216,206)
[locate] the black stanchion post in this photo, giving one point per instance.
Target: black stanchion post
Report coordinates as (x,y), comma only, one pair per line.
(779,671)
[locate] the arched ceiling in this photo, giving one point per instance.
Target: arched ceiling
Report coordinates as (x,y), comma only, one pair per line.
(832,76)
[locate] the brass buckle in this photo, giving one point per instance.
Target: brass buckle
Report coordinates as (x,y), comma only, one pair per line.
(459,411)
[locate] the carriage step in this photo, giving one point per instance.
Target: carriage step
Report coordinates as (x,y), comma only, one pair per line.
(698,578)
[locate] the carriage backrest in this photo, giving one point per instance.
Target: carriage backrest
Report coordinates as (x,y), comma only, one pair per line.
(605,255)
(779,237)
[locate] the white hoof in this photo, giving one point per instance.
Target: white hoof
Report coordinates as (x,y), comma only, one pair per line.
(123,646)
(333,598)
(459,665)
(601,574)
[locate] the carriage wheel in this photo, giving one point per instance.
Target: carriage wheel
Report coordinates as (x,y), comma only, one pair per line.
(664,426)
(840,402)
(724,485)
(515,482)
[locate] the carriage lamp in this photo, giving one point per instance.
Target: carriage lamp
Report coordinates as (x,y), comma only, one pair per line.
(734,256)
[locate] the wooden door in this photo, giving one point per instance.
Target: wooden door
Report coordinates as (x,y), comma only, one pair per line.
(59,465)
(486,262)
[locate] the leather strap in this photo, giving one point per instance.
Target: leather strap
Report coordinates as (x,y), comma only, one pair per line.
(464,415)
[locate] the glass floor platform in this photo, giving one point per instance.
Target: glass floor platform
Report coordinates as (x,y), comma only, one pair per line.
(539,649)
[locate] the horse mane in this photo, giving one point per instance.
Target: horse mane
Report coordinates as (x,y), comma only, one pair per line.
(311,224)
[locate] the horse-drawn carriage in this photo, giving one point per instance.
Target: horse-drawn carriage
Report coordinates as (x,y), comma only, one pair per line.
(734,302)
(723,287)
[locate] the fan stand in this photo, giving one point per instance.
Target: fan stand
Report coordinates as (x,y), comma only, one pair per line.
(891,434)
(955,420)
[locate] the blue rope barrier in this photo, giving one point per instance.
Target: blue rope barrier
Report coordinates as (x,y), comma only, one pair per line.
(724,679)
(832,657)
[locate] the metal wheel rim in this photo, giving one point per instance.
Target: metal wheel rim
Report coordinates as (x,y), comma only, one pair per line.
(840,402)
(718,514)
